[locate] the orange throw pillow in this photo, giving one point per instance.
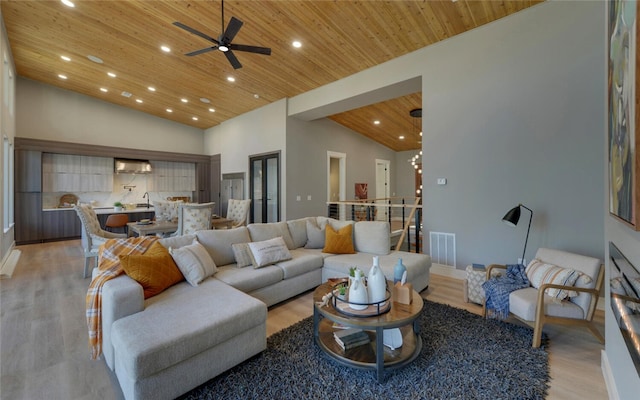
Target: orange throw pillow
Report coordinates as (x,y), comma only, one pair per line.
(340,242)
(155,270)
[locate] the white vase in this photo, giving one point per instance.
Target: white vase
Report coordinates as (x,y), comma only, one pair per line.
(357,291)
(376,284)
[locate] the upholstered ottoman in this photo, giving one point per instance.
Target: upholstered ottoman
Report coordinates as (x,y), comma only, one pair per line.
(185,336)
(472,286)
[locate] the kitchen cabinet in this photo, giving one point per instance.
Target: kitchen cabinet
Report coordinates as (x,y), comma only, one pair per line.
(28,210)
(71,173)
(171,176)
(28,166)
(60,224)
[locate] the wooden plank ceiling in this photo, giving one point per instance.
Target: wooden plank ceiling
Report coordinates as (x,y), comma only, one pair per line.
(338,38)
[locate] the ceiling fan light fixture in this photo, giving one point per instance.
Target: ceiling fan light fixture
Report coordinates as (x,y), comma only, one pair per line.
(223,48)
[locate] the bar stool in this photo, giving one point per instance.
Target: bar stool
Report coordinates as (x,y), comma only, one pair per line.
(116,221)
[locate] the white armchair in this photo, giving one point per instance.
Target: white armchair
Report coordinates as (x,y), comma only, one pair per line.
(194,217)
(238,211)
(92,235)
(535,307)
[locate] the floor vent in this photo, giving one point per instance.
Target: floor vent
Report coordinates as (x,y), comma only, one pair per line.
(442,248)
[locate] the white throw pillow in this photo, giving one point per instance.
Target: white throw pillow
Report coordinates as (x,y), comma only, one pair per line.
(194,262)
(539,273)
(242,254)
(269,252)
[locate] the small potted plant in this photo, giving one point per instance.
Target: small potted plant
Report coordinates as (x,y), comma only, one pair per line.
(117,206)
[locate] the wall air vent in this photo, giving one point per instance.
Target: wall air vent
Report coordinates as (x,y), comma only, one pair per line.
(127,166)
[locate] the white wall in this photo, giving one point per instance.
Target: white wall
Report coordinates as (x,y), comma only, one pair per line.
(49,113)
(259,131)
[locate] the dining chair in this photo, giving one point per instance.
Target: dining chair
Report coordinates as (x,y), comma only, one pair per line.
(92,235)
(194,217)
(238,211)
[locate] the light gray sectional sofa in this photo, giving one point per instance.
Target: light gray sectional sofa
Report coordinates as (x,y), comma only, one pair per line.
(164,346)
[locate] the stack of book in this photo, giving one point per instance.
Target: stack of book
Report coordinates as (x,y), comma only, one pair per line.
(350,338)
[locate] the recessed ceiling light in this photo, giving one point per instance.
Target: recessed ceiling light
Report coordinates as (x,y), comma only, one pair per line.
(420,134)
(139,101)
(376,122)
(62,76)
(420,152)
(151,89)
(194,118)
(231,79)
(256,96)
(184,100)
(105,90)
(401,137)
(169,110)
(205,100)
(166,49)
(111,74)
(212,110)
(65,58)
(95,59)
(296,44)
(68,3)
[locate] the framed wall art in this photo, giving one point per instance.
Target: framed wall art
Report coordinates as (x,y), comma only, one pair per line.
(624,165)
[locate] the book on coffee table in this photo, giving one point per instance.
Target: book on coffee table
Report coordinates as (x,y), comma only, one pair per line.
(351,337)
(351,345)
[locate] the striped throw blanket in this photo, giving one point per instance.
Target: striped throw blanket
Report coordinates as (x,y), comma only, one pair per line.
(498,288)
(109,267)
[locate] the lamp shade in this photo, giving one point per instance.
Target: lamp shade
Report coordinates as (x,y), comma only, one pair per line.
(512,217)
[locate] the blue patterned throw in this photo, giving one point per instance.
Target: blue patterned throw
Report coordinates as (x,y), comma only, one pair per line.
(498,288)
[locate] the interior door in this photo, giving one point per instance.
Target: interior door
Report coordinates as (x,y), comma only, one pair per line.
(265,187)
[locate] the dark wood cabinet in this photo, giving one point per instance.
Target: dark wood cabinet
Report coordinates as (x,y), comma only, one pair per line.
(28,217)
(28,171)
(60,224)
(203,177)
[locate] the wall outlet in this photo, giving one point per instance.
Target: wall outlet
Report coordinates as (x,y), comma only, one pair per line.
(298,198)
(442,181)
(309,197)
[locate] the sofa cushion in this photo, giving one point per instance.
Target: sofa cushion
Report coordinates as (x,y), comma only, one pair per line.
(335,223)
(302,261)
(242,254)
(154,270)
(177,241)
(218,243)
(266,231)
(182,322)
(373,237)
(249,279)
(268,252)
(194,262)
(315,236)
(523,304)
(298,231)
(339,242)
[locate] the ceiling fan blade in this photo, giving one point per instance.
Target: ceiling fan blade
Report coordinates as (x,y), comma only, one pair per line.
(251,49)
(232,59)
(195,32)
(205,50)
(232,30)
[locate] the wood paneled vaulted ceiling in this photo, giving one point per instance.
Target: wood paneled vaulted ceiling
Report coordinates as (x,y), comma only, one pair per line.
(338,38)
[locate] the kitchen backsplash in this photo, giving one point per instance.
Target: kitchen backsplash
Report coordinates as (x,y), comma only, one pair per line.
(136,186)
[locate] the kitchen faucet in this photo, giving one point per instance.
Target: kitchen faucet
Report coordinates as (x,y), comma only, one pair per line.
(146,194)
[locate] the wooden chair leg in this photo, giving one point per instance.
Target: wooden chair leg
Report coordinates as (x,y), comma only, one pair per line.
(595,332)
(537,333)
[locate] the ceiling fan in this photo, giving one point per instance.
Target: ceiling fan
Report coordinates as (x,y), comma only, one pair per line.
(223,43)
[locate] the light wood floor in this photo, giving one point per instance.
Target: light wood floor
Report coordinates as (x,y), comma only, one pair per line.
(43,339)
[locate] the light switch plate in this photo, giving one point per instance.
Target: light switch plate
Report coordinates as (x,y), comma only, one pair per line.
(442,181)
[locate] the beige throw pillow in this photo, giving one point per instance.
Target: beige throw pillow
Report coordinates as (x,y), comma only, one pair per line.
(269,252)
(538,272)
(194,262)
(242,254)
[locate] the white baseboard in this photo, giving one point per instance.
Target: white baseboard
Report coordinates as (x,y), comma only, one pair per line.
(9,263)
(608,377)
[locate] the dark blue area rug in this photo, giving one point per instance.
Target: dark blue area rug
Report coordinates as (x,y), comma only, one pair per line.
(464,356)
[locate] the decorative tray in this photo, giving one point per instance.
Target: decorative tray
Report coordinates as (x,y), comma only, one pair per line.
(343,306)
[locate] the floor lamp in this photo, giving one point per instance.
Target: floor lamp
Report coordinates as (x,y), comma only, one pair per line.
(512,217)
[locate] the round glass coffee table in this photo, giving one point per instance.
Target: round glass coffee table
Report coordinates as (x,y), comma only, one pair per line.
(373,355)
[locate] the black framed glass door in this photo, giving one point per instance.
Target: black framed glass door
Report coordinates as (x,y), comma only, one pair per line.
(264,185)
